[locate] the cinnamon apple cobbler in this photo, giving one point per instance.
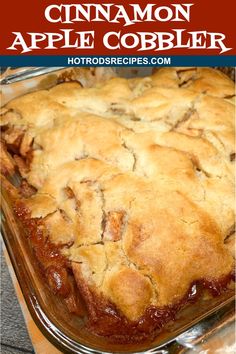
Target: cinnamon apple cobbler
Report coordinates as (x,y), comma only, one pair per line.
(127,193)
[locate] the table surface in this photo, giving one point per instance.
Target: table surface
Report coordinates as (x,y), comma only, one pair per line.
(14,335)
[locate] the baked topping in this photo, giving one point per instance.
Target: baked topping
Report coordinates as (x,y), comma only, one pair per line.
(132,182)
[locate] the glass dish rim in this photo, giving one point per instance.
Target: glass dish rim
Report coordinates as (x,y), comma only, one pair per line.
(41,319)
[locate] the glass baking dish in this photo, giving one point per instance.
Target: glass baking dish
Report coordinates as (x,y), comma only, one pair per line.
(196,322)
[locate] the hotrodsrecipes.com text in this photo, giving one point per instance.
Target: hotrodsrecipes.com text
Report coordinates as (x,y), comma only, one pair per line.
(119,60)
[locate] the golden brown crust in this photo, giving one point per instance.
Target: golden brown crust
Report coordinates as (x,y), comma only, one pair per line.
(134,182)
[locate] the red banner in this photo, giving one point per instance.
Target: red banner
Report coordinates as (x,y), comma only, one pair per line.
(65,27)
